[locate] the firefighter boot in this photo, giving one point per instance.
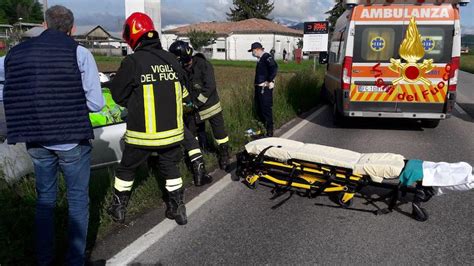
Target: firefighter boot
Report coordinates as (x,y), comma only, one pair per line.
(199,173)
(223,153)
(175,208)
(118,206)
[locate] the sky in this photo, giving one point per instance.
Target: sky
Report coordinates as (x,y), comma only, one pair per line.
(110,13)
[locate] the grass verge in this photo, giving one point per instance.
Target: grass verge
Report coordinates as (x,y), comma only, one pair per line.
(467,63)
(294,93)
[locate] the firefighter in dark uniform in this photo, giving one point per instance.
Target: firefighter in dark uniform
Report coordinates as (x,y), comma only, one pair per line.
(149,84)
(201,83)
(194,155)
(265,74)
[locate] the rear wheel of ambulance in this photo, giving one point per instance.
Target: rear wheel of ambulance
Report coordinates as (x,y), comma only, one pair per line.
(337,118)
(430,123)
(324,95)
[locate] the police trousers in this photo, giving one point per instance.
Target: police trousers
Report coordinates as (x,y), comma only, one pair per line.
(263,99)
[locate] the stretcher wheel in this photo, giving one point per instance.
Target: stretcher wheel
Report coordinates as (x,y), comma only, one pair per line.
(253,186)
(419,213)
(343,204)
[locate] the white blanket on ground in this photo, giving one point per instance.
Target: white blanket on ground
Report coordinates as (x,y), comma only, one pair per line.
(448,177)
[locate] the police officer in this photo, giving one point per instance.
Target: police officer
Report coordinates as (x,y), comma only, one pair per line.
(202,85)
(149,85)
(265,74)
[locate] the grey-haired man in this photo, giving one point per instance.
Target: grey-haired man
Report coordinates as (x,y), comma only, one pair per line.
(51,85)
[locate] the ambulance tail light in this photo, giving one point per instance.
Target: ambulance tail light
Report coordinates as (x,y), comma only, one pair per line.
(454,71)
(346,73)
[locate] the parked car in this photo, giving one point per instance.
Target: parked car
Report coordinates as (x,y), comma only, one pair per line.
(107,148)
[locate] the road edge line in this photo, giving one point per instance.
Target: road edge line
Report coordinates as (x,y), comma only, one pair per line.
(141,244)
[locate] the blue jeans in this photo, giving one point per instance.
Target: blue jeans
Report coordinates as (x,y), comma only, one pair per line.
(75,164)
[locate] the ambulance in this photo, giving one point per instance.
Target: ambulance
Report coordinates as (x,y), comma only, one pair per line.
(394,59)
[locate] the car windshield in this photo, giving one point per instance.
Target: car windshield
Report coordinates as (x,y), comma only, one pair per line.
(381,43)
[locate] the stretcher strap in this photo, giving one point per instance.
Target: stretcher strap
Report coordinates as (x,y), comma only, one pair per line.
(320,190)
(261,156)
(292,177)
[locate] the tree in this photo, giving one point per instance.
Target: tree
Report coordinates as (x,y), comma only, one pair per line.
(245,9)
(334,14)
(199,39)
(28,10)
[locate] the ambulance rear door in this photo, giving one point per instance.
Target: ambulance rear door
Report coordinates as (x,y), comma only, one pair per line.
(423,85)
(378,32)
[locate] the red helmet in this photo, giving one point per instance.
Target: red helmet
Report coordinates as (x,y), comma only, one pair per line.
(136,25)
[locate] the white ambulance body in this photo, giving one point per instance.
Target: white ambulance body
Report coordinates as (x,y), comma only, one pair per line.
(395,59)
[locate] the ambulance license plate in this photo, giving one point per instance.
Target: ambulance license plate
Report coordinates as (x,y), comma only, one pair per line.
(370,89)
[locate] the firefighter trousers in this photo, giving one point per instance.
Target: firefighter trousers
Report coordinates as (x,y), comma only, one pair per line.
(217,126)
(191,145)
(167,165)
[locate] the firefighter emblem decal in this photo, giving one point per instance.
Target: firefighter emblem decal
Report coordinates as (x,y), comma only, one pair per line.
(412,50)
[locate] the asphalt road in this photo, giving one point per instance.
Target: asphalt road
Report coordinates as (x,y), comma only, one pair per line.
(238,225)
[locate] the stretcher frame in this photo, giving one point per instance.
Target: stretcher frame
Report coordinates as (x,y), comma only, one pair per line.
(315,179)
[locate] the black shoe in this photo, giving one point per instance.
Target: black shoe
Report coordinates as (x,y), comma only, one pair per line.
(118,206)
(175,208)
(223,154)
(200,175)
(269,133)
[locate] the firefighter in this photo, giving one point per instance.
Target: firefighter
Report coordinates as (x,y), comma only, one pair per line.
(202,86)
(149,84)
(265,74)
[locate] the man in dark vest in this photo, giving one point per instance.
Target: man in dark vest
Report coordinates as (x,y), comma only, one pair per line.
(51,85)
(149,84)
(265,74)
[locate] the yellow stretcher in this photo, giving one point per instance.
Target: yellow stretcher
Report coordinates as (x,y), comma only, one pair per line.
(316,169)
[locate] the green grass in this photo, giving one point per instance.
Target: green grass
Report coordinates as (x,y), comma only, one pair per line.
(467,63)
(294,93)
(111,63)
(289,66)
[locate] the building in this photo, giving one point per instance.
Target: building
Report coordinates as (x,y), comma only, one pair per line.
(150,7)
(5,33)
(25,26)
(234,38)
(97,39)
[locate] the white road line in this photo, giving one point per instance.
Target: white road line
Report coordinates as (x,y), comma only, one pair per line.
(459,109)
(303,123)
(129,253)
(136,248)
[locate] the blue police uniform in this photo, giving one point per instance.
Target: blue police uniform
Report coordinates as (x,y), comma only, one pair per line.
(265,74)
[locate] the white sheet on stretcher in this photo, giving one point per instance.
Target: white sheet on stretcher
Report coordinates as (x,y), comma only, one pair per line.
(378,166)
(448,177)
